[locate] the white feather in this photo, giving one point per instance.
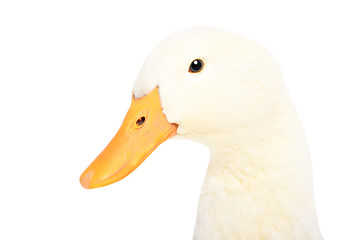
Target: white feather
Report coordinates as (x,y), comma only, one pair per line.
(258,184)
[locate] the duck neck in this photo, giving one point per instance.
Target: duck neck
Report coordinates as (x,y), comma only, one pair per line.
(259,187)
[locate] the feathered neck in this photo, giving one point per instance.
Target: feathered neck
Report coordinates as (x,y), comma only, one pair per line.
(259,185)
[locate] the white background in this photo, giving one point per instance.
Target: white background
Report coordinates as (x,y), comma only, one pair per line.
(67,70)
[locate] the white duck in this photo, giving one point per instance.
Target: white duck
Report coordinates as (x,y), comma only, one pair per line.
(225,91)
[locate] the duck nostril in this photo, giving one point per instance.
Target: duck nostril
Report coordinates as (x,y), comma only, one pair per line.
(140,121)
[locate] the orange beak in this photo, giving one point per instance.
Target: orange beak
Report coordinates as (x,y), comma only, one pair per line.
(144,128)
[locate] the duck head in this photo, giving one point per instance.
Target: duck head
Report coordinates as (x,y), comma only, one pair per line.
(202,84)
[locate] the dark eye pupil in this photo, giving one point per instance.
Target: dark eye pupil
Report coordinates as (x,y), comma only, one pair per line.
(196,66)
(140,121)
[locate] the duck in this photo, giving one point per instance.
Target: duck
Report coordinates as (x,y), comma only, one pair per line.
(227,92)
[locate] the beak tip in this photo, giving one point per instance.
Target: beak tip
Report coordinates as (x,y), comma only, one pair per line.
(85,179)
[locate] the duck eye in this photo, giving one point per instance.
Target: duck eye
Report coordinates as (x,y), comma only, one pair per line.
(196,66)
(140,121)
